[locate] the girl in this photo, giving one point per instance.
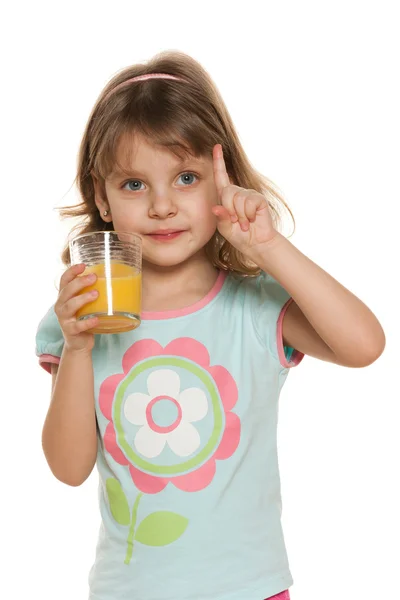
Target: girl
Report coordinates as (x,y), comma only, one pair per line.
(181,414)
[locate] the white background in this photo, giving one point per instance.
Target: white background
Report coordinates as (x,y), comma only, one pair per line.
(313,88)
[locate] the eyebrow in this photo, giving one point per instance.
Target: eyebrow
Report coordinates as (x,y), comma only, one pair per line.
(130,172)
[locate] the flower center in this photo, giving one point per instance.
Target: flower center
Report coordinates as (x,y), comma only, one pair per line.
(163,414)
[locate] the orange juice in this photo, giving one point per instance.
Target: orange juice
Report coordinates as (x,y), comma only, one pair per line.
(118,304)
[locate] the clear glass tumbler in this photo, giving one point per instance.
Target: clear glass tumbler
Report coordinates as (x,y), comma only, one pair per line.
(116,259)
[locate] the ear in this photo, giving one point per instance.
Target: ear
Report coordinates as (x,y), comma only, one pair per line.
(101,199)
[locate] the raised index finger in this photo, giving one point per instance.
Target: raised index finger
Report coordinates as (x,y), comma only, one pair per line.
(221,176)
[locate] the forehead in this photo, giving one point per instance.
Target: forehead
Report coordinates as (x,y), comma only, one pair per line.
(136,152)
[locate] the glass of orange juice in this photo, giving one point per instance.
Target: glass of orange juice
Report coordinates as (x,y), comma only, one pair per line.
(116,258)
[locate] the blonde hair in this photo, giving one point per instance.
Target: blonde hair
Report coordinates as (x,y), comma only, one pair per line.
(187,117)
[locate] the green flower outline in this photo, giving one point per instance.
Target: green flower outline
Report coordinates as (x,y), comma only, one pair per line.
(205,453)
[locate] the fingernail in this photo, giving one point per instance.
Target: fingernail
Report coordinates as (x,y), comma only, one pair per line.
(234,218)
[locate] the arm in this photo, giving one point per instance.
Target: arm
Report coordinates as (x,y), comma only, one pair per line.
(69,437)
(325,320)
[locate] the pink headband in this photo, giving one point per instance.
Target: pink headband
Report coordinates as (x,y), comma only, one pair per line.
(142,78)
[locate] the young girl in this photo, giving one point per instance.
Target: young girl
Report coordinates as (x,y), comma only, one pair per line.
(181,414)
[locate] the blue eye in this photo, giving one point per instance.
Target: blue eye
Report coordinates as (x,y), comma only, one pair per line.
(132,185)
(186,177)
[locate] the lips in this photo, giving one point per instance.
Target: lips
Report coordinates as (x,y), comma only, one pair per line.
(165,235)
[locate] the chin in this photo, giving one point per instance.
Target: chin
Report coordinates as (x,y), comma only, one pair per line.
(166,259)
(171,254)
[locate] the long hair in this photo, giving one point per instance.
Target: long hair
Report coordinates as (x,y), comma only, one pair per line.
(188,117)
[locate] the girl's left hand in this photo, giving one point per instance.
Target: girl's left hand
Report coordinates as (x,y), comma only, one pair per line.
(244,218)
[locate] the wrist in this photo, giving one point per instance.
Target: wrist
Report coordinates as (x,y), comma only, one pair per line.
(71,352)
(263,254)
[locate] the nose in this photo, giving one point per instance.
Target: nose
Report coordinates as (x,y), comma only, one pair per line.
(162,206)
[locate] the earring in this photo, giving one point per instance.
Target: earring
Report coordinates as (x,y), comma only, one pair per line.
(105,213)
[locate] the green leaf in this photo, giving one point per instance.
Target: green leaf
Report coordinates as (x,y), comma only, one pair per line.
(118,502)
(161,528)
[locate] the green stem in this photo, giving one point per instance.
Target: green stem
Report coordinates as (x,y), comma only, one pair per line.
(131,535)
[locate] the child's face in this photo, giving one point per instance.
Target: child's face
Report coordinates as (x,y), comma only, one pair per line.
(168,203)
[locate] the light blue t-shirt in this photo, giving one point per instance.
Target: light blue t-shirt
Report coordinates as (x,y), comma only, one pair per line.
(187,412)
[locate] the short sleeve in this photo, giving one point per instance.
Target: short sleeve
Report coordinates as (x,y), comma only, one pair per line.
(49,340)
(269,305)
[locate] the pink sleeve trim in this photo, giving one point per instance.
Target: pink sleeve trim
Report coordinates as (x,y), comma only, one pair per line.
(282,596)
(45,361)
(297,356)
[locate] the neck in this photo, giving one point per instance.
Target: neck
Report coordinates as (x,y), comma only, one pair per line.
(168,288)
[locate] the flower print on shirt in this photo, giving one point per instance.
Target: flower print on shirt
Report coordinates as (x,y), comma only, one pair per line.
(170,419)
(191,405)
(191,466)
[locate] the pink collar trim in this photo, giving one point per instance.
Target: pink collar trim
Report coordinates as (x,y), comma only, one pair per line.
(171,314)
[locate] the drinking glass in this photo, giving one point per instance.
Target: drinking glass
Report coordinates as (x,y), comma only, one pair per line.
(116,258)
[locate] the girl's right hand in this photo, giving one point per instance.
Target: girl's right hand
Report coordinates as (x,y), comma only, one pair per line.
(75,332)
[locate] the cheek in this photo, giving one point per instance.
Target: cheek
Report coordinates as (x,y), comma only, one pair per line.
(201,212)
(213,196)
(127,213)
(206,222)
(204,203)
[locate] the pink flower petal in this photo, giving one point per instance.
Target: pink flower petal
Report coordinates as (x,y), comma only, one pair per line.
(147,483)
(189,348)
(106,395)
(110,444)
(230,439)
(140,351)
(226,386)
(197,480)
(196,352)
